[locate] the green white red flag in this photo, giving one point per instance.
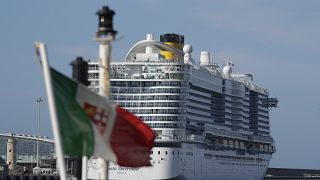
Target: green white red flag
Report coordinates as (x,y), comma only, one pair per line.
(93,125)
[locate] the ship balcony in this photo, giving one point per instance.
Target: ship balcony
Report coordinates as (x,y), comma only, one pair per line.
(227,110)
(199,112)
(193,117)
(206,107)
(191,137)
(228,105)
(234,117)
(148,91)
(149,98)
(163,118)
(244,108)
(166,125)
(199,99)
(263,118)
(261,107)
(234,99)
(234,112)
(142,88)
(161,105)
(264,128)
(264,122)
(156,111)
(166,75)
(246,103)
(155,108)
(265,139)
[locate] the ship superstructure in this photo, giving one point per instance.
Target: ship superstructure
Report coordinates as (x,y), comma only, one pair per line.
(210,124)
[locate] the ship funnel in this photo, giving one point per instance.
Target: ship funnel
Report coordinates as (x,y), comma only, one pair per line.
(174,40)
(205,58)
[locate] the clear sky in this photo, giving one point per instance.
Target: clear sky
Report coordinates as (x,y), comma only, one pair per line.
(277,41)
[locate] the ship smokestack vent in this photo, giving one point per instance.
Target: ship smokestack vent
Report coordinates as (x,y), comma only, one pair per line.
(105,22)
(174,40)
(80,70)
(171,37)
(204,58)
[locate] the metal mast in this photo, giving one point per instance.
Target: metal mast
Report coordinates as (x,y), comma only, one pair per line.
(105,35)
(39,100)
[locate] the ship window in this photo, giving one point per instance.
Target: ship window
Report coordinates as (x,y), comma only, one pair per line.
(158,152)
(172,152)
(166,152)
(151,152)
(223,82)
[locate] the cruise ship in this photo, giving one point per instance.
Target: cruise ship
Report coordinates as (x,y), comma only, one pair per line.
(210,123)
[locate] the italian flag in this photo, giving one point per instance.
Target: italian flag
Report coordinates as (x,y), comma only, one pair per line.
(92,125)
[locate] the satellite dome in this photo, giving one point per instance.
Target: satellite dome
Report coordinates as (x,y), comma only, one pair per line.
(227,70)
(187,48)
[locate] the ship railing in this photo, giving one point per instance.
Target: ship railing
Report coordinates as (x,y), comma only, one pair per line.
(150,85)
(159,106)
(262,138)
(181,138)
(154,86)
(138,97)
(200,138)
(248,84)
(146,60)
(149,91)
(175,76)
(220,132)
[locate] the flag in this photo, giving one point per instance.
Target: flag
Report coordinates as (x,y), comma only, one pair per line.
(92,125)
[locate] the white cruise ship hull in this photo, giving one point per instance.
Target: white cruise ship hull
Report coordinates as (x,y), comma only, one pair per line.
(210,123)
(191,163)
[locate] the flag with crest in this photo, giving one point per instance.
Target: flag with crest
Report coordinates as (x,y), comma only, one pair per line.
(92,125)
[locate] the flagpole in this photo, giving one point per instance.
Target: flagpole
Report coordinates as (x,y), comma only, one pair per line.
(84,167)
(42,55)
